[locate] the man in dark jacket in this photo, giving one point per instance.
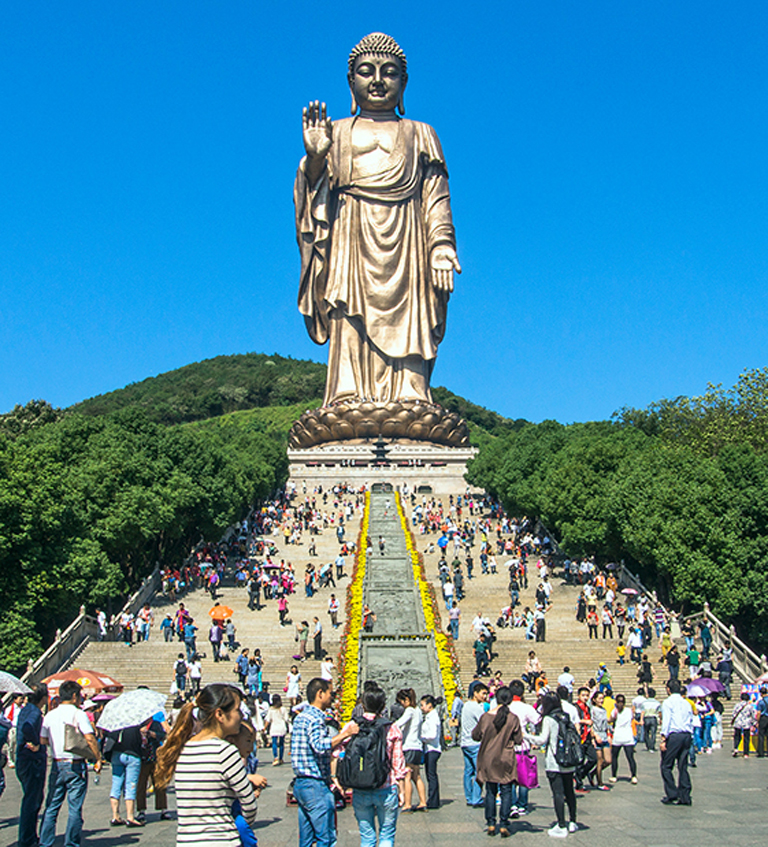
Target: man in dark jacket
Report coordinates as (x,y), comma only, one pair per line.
(31,763)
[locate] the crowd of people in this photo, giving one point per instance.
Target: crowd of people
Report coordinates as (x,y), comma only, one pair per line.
(208,741)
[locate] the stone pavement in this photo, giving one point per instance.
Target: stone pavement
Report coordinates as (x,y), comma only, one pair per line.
(729,799)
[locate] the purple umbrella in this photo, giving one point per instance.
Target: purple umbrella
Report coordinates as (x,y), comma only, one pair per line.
(704,686)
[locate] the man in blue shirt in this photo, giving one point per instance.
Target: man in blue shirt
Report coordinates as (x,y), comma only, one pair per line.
(675,746)
(311,746)
(30,764)
(762,722)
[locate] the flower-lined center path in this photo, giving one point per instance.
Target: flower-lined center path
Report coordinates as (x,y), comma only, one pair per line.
(401,651)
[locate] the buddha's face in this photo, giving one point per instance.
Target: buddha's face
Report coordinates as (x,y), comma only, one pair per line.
(377,83)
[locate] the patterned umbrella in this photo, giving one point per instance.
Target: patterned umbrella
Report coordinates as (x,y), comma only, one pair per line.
(131,709)
(92,682)
(219,612)
(703,686)
(12,684)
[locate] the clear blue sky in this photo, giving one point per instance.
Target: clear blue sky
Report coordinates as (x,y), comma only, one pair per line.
(609,173)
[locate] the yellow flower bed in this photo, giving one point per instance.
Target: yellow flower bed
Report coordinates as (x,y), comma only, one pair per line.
(446,655)
(349,658)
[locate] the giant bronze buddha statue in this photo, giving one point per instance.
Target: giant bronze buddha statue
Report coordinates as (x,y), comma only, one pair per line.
(378,255)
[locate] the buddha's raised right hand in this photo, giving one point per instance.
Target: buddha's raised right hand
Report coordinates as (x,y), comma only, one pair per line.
(318,130)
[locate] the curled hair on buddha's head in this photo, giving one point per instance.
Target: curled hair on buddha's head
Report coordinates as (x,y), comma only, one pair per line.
(378,44)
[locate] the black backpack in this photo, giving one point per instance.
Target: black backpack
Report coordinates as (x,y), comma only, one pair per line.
(365,764)
(181,667)
(568,751)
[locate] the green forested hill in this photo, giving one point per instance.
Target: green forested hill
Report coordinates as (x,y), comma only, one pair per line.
(215,387)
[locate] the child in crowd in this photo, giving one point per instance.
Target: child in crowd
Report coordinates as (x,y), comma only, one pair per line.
(244,743)
(621,652)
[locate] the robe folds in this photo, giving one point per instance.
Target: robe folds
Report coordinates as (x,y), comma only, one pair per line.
(365,244)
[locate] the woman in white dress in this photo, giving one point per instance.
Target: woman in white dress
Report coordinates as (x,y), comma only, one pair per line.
(292,690)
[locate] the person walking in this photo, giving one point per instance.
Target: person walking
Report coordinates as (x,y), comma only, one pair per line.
(311,746)
(623,739)
(31,763)
(409,723)
(761,711)
(302,635)
(560,777)
(292,685)
(454,618)
(498,731)
(153,736)
(382,802)
(215,636)
(125,759)
(276,723)
(180,671)
(431,738)
(69,773)
(317,635)
(209,771)
(195,674)
(675,745)
(474,708)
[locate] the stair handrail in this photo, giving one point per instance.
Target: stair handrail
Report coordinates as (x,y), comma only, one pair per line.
(150,585)
(65,645)
(746,663)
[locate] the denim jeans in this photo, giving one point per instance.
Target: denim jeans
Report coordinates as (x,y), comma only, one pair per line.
(68,780)
(125,775)
(278,746)
(454,627)
(317,813)
(30,771)
(381,803)
(520,796)
(491,790)
(472,790)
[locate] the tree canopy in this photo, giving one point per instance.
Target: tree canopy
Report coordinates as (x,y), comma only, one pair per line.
(678,490)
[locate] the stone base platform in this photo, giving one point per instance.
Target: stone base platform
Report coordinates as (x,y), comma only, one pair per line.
(430,468)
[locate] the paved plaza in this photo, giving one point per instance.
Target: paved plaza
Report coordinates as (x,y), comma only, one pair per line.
(729,808)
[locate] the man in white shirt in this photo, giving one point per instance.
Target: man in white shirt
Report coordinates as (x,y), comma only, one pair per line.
(69,774)
(567,679)
(675,746)
(473,710)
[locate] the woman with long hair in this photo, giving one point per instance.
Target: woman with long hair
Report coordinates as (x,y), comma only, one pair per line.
(209,772)
(498,731)
(430,733)
(623,738)
(600,737)
(276,720)
(409,724)
(560,777)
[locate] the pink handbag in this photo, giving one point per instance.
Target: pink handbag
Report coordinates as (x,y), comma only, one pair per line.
(527,770)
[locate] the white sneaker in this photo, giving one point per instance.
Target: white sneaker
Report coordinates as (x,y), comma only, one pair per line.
(573,827)
(558,831)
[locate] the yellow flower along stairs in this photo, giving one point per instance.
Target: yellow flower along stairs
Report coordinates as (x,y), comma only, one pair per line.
(349,651)
(447,658)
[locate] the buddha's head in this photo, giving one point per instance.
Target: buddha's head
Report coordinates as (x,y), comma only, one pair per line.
(378,73)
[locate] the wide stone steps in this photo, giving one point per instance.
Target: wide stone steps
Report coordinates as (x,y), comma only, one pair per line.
(151,663)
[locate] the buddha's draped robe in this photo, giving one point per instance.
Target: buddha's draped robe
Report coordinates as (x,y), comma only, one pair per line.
(365,244)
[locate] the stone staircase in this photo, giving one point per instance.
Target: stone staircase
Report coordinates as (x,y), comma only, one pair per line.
(567,641)
(151,663)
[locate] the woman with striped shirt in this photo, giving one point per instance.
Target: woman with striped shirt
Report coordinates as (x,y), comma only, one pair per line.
(209,771)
